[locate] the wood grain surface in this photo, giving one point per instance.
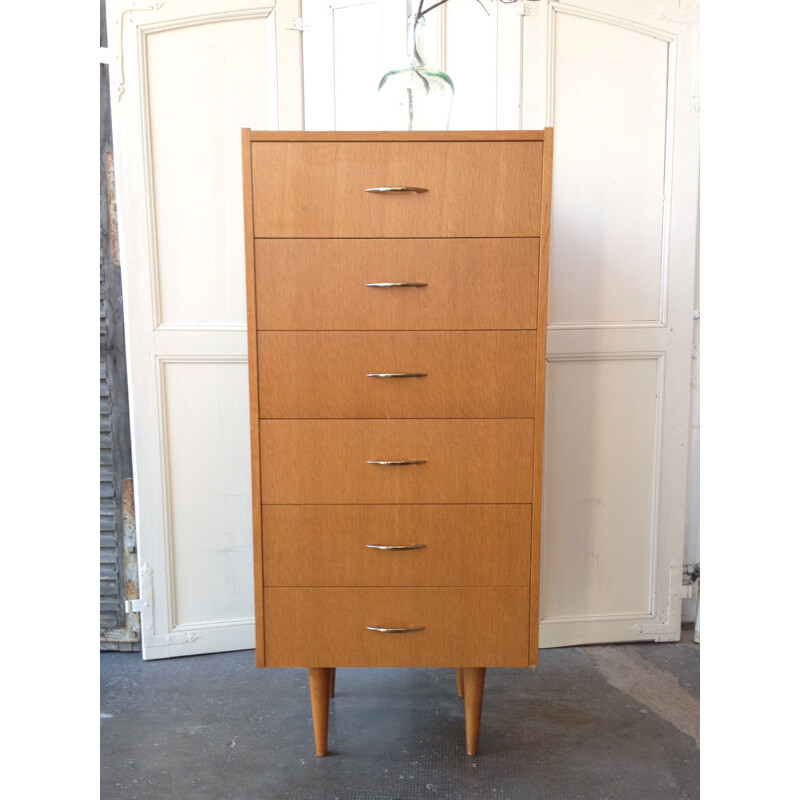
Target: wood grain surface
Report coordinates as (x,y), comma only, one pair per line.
(307,374)
(467,461)
(467,627)
(472,284)
(318,189)
(464,545)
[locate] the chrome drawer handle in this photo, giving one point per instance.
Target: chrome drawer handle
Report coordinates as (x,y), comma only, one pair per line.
(395,546)
(395,284)
(381,189)
(397,374)
(398,463)
(412,629)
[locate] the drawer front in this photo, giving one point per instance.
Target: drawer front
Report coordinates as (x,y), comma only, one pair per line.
(304,374)
(452,545)
(318,189)
(471,284)
(466,461)
(323,627)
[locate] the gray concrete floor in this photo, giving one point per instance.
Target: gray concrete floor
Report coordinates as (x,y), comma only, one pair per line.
(615,722)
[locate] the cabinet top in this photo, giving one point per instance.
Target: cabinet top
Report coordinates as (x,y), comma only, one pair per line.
(395,136)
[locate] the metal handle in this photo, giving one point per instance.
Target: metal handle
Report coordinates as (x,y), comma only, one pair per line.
(417,189)
(396,630)
(397,374)
(395,546)
(395,284)
(398,463)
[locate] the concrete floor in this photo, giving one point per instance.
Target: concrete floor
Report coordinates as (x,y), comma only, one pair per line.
(616,722)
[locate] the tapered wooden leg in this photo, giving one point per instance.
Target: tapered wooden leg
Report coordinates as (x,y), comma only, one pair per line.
(460,681)
(319,682)
(474,678)
(333,681)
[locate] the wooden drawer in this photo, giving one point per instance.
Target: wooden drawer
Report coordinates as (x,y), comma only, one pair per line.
(464,627)
(467,461)
(317,189)
(321,284)
(450,374)
(464,545)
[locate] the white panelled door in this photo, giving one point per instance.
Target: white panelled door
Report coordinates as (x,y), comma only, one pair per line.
(617,79)
(622,99)
(187,75)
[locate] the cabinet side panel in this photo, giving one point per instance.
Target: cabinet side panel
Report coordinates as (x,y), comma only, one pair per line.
(541,368)
(252,363)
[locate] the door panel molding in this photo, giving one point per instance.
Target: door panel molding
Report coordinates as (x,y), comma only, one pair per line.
(580,329)
(194,495)
(193,334)
(661,194)
(612,564)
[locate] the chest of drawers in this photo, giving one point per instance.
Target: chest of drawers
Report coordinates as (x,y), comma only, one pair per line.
(397,300)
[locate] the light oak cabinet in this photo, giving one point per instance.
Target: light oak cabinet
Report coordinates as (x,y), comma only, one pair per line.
(397,305)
